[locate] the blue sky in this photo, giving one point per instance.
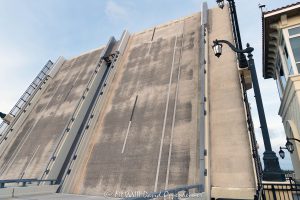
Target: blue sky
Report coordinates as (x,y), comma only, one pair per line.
(34,31)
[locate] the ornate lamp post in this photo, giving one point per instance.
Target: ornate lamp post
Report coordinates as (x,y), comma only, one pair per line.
(220,3)
(272,169)
(288,146)
(281,152)
(236,30)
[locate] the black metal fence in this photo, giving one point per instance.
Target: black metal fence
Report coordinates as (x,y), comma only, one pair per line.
(255,154)
(279,191)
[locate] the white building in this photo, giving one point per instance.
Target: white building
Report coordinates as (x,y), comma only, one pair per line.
(281,61)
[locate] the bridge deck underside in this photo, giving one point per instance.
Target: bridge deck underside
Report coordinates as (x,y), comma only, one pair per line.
(33,144)
(157,149)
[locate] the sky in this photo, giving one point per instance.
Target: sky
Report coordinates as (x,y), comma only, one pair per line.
(34,31)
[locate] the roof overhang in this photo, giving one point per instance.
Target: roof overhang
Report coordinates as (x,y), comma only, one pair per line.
(271,30)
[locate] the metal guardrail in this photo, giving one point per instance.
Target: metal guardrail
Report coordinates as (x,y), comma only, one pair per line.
(27,95)
(279,191)
(242,64)
(174,193)
(24,182)
(255,155)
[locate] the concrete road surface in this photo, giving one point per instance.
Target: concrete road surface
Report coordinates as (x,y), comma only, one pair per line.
(146,138)
(35,141)
(146,135)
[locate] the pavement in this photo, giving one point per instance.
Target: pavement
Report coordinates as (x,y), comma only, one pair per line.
(146,138)
(146,134)
(35,141)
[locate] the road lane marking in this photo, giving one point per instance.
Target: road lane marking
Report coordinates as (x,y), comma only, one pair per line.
(125,140)
(129,124)
(165,119)
(173,120)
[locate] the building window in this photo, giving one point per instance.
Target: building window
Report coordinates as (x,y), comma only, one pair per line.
(294,31)
(279,87)
(294,40)
(295,44)
(281,80)
(288,61)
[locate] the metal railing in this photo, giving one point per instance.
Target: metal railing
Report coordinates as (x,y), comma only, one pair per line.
(26,97)
(24,182)
(279,191)
(176,193)
(255,154)
(242,64)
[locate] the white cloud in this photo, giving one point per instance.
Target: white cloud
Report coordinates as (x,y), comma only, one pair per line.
(11,57)
(115,11)
(16,71)
(11,61)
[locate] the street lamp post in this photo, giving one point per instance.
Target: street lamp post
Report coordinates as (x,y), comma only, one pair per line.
(281,152)
(272,171)
(288,146)
(236,30)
